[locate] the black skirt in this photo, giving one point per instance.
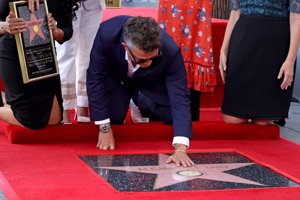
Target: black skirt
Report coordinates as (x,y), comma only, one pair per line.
(31,103)
(257,49)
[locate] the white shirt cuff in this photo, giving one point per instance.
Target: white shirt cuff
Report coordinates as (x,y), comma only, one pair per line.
(181,140)
(102,121)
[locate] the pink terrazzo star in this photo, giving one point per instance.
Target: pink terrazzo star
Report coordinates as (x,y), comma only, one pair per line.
(169,174)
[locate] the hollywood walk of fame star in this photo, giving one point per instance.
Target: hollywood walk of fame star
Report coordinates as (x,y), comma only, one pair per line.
(35,27)
(169,174)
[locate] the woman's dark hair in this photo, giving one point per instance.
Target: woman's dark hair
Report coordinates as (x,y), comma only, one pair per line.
(73,6)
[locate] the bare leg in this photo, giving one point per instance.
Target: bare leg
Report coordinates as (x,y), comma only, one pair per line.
(82,111)
(55,116)
(233,120)
(66,117)
(7,115)
(83,114)
(262,122)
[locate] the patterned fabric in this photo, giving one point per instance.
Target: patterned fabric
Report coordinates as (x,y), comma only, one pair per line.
(234,4)
(295,6)
(189,23)
(273,8)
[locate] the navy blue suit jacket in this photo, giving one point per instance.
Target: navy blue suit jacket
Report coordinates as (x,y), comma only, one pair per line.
(164,81)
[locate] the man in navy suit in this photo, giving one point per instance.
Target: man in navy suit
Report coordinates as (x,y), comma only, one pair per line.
(132,58)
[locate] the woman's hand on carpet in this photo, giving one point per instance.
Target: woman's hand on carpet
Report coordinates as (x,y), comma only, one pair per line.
(106,141)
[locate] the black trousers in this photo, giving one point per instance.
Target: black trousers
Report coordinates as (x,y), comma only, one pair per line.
(195,104)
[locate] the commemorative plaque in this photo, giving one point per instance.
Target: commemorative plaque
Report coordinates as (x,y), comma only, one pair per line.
(35,45)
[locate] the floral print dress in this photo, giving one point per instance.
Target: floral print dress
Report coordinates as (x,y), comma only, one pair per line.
(189,23)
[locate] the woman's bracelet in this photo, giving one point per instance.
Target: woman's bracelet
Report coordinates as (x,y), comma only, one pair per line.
(3,27)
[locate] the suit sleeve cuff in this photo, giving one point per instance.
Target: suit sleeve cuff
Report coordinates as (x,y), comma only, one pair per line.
(181,140)
(102,121)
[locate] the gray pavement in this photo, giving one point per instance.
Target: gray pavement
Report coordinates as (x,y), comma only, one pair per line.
(291,130)
(140,3)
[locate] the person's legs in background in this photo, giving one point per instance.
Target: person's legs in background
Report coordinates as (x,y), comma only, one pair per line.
(262,122)
(73,60)
(233,120)
(236,120)
(66,54)
(91,16)
(195,104)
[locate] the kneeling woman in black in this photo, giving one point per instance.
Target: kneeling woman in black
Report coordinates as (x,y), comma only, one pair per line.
(37,104)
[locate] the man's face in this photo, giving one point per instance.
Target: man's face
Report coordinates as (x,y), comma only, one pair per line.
(140,57)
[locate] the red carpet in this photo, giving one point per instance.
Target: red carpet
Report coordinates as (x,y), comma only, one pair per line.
(53,171)
(50,169)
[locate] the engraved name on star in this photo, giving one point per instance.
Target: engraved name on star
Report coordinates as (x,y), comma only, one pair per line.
(169,174)
(35,27)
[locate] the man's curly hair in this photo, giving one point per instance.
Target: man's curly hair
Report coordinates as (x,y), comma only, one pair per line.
(143,33)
